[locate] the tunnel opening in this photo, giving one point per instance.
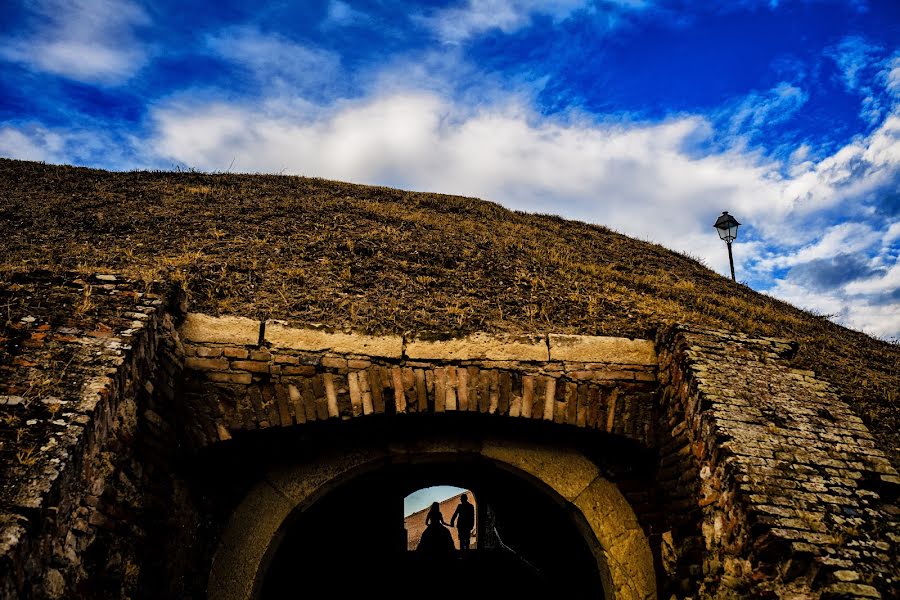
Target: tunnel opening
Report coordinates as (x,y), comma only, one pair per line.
(323,505)
(354,539)
(456,507)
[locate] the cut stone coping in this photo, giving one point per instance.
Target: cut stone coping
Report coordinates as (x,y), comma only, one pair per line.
(481,346)
(239,331)
(316,340)
(613,350)
(200,328)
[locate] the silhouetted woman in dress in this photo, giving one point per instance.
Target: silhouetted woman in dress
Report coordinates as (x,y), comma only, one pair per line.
(436,539)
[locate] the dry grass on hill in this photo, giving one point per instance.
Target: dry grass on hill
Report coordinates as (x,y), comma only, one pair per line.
(377,259)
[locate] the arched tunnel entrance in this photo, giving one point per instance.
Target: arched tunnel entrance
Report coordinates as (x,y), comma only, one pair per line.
(550,523)
(354,538)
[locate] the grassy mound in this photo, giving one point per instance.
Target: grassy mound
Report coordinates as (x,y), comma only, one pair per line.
(380,260)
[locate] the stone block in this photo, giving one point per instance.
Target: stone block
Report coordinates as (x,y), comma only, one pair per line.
(246,539)
(480,346)
(564,470)
(355,394)
(284,407)
(399,396)
(527,395)
(330,395)
(334,362)
(849,590)
(606,374)
(240,378)
(241,331)
(240,353)
(462,391)
(280,335)
(253,366)
(549,399)
(644,376)
(206,364)
(366,392)
(207,352)
(303,370)
(612,350)
(440,387)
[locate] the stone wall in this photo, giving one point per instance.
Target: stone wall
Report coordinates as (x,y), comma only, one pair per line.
(79,371)
(243,375)
(792,498)
(770,485)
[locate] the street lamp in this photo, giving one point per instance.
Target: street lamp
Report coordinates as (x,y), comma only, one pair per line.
(727,227)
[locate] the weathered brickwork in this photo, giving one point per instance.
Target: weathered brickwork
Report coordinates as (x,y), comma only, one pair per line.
(793,497)
(234,388)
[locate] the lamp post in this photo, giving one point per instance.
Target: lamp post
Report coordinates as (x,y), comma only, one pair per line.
(727,227)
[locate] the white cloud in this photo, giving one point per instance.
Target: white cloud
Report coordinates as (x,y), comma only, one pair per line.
(38,144)
(341,14)
(777,105)
(885,283)
(858,312)
(891,75)
(866,73)
(853,55)
(609,174)
(277,61)
(892,234)
(857,170)
(85,40)
(458,23)
(29,141)
(844,238)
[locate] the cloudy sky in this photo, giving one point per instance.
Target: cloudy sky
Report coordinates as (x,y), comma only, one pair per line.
(648,116)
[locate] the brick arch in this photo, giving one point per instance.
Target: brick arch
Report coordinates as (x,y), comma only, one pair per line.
(599,509)
(242,374)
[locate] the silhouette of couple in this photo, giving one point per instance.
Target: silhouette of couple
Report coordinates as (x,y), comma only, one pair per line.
(436,539)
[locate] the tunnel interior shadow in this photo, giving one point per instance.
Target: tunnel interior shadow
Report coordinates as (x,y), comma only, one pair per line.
(353,542)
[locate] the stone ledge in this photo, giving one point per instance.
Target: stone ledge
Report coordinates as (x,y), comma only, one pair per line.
(315,340)
(613,350)
(535,347)
(240,331)
(481,346)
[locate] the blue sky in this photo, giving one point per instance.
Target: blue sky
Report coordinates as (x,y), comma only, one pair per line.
(650,117)
(422,499)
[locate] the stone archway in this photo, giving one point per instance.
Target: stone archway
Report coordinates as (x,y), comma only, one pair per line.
(602,514)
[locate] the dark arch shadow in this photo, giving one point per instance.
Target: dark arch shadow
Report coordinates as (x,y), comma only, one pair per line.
(229,473)
(353,539)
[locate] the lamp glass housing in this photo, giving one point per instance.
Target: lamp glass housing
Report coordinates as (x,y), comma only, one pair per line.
(727,227)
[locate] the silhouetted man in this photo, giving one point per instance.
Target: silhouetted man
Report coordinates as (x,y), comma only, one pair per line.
(464,517)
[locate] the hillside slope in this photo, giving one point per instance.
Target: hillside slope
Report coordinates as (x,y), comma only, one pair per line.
(377,259)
